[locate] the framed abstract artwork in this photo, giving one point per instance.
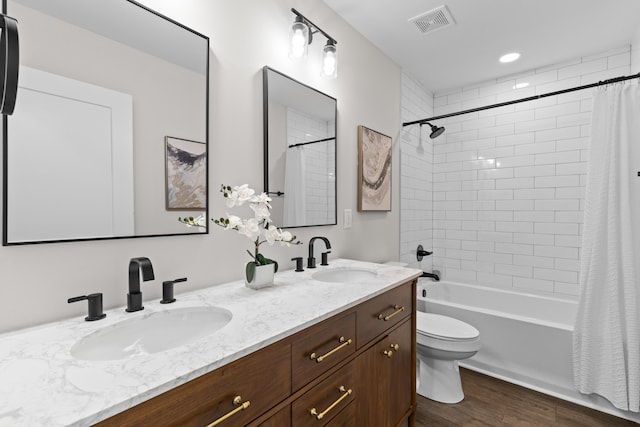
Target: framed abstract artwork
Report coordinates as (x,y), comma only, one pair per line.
(186,174)
(374,170)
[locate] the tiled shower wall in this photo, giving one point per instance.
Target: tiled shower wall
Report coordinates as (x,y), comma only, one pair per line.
(416,166)
(508,183)
(319,161)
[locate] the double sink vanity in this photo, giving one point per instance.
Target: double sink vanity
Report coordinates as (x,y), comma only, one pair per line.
(333,346)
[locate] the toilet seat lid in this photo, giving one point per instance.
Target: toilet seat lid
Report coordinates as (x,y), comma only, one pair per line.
(437,325)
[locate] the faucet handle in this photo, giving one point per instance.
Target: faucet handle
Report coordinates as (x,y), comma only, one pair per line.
(324,257)
(298,261)
(311,262)
(95,306)
(167,290)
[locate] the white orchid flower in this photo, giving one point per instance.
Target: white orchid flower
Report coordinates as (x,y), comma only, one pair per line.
(200,221)
(261,211)
(272,235)
(287,237)
(258,229)
(250,228)
(234,222)
(238,195)
(262,198)
(243,193)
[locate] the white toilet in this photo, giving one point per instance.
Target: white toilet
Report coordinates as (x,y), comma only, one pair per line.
(442,341)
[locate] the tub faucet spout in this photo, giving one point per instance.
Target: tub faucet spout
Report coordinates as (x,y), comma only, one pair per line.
(433,275)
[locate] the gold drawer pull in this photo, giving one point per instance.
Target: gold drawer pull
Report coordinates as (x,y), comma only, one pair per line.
(321,415)
(236,401)
(319,359)
(396,347)
(397,309)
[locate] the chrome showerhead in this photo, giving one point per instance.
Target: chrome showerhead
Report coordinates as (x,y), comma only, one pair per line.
(436,131)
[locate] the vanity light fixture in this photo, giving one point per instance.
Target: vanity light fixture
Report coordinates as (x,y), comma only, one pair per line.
(301,36)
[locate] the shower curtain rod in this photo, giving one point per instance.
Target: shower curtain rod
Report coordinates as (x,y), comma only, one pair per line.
(311,142)
(530,98)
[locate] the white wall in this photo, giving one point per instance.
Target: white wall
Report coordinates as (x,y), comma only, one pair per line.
(635,52)
(245,36)
(509,182)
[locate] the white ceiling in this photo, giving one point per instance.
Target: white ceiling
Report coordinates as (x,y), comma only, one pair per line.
(545,32)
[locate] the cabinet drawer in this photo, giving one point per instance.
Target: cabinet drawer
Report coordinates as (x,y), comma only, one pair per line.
(346,417)
(321,347)
(380,313)
(262,378)
(280,419)
(326,400)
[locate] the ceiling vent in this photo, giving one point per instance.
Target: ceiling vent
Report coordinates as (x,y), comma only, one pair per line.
(433,20)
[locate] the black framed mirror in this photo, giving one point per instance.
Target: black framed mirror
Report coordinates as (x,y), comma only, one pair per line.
(109,136)
(299,152)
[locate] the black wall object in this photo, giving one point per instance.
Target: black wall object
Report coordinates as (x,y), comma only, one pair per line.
(9,61)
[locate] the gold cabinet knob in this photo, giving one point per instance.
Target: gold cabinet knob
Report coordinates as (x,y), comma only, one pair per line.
(396,347)
(388,353)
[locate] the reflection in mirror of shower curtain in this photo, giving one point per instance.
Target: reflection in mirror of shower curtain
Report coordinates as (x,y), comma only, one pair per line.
(294,188)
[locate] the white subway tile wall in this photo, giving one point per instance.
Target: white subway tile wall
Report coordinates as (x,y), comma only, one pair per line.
(319,161)
(507,183)
(416,170)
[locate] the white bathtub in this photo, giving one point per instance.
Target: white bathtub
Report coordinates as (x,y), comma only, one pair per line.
(526,339)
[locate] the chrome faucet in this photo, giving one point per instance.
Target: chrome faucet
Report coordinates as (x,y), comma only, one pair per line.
(311,261)
(134,297)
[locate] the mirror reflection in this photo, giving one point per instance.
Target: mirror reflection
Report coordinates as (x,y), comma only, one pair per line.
(103,87)
(300,152)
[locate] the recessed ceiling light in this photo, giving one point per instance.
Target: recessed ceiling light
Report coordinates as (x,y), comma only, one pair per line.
(509,57)
(521,85)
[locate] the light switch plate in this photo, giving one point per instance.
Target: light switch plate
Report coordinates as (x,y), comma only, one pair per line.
(347,217)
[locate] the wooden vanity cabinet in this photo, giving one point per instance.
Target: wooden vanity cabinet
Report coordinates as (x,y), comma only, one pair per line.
(321,347)
(356,368)
(384,311)
(282,418)
(387,369)
(385,375)
(262,379)
(318,406)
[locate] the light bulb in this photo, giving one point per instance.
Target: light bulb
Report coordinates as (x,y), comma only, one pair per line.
(298,39)
(329,60)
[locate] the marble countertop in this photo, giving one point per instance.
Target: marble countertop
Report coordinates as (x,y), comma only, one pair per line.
(42,384)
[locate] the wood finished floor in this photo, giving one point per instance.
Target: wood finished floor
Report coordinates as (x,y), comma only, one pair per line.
(492,402)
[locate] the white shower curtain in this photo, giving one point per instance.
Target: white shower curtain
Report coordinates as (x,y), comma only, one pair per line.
(606,341)
(294,188)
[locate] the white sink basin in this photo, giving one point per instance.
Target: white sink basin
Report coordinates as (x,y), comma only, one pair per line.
(345,275)
(151,333)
